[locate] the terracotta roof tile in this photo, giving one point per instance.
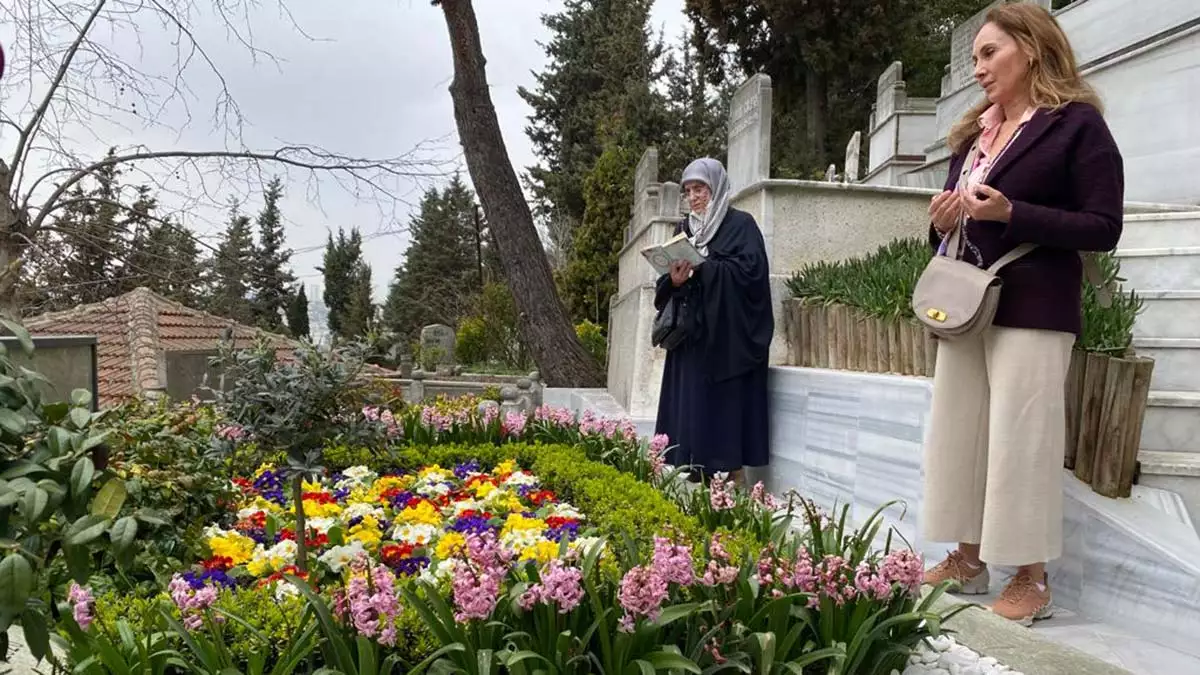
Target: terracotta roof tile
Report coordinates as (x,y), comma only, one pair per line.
(135,329)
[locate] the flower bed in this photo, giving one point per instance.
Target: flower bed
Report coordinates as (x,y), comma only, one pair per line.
(411,522)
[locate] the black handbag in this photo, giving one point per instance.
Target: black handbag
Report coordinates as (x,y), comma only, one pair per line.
(673,324)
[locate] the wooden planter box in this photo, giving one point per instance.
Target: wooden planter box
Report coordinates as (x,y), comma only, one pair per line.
(847,338)
(1106,396)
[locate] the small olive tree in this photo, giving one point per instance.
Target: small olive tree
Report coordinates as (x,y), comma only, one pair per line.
(293,405)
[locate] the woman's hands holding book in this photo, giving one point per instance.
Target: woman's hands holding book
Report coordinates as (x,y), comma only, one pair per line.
(681,271)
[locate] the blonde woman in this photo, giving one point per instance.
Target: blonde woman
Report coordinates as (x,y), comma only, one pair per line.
(1046,171)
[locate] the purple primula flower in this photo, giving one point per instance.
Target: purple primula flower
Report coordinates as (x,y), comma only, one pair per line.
(411,566)
(466,469)
(472,525)
(568,530)
(353,521)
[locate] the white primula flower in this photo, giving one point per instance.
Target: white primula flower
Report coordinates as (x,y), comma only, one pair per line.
(285,550)
(356,476)
(466,505)
(433,490)
(213,531)
(249,512)
(285,589)
(360,510)
(566,511)
(519,540)
(339,556)
(418,535)
(322,525)
(584,545)
(436,574)
(519,478)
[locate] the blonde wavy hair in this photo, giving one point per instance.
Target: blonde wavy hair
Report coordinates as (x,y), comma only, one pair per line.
(1054,77)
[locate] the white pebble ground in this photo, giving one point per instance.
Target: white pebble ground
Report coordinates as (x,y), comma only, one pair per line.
(947,657)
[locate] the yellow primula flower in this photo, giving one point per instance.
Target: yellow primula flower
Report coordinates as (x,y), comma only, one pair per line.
(232,545)
(423,513)
(543,552)
(504,468)
(517,523)
(484,489)
(370,538)
(263,468)
(314,509)
(450,545)
(432,469)
(310,486)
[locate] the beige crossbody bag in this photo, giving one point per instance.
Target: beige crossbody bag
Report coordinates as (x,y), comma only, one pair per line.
(955,299)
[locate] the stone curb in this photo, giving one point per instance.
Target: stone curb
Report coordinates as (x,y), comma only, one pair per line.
(1017,647)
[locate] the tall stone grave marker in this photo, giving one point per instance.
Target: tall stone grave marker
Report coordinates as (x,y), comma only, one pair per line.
(750,133)
(437,340)
(853,153)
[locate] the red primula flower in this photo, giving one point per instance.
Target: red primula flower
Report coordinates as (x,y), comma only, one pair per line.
(554,522)
(220,562)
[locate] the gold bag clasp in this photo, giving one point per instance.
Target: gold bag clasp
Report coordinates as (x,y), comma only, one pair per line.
(935,314)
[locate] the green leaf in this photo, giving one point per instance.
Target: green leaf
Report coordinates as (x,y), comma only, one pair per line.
(81,475)
(37,634)
(110,499)
(12,421)
(80,417)
(34,506)
(81,398)
(16,583)
(123,532)
(79,563)
(20,333)
(671,661)
(93,440)
(55,412)
(86,530)
(152,517)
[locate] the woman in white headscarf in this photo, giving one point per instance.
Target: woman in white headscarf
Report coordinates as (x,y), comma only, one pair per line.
(713,404)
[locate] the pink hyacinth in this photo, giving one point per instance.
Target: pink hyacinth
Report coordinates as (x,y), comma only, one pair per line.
(371,601)
(434,420)
(490,413)
(513,425)
(673,563)
(904,567)
(81,601)
(642,594)
(719,495)
(870,583)
(562,418)
(192,602)
(370,413)
(561,586)
(659,443)
(231,432)
(477,580)
(833,580)
(763,498)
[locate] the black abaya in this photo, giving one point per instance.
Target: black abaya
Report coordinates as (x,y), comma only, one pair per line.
(713,404)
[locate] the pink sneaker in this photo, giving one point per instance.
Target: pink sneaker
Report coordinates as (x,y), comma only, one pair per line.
(970,580)
(1022,601)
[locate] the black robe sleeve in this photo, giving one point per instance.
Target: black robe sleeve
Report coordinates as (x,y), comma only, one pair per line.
(735,287)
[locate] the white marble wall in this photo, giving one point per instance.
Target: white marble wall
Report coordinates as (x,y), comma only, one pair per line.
(840,437)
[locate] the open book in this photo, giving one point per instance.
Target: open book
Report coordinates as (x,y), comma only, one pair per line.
(679,247)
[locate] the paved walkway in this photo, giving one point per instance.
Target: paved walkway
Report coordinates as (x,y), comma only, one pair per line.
(1133,653)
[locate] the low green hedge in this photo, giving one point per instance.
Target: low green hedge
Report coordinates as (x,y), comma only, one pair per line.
(882,283)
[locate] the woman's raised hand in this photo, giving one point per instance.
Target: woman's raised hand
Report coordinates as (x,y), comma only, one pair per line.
(946,210)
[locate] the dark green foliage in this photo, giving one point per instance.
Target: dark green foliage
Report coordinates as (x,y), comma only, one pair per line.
(490,334)
(443,269)
(347,286)
(271,279)
(593,339)
(165,258)
(589,280)
(233,267)
(882,283)
(297,313)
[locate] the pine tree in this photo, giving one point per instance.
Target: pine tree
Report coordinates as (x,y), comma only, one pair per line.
(232,270)
(359,319)
(342,271)
(272,278)
(602,62)
(94,240)
(444,267)
(297,314)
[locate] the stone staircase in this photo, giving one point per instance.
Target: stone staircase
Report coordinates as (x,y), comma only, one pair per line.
(1160,259)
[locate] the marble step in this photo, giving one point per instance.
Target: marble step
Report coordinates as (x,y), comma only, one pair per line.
(1160,230)
(1176,362)
(1177,473)
(1172,422)
(1176,268)
(1168,314)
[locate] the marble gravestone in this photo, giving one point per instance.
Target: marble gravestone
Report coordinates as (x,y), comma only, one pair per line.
(439,340)
(853,152)
(750,133)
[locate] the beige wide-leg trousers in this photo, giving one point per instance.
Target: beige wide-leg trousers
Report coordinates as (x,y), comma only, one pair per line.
(994,447)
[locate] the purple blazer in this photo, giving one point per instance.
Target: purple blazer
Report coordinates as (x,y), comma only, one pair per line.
(1065,178)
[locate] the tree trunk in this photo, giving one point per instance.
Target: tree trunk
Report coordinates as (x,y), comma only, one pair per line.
(544,323)
(816,102)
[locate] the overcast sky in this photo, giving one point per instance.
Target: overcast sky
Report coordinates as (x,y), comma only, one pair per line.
(373,83)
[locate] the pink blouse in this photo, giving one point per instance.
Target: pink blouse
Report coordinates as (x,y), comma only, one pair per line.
(990,121)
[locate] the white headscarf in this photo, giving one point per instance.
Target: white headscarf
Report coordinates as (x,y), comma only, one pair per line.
(704,226)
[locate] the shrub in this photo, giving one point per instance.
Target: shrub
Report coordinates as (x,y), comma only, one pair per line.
(471,341)
(593,339)
(882,283)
